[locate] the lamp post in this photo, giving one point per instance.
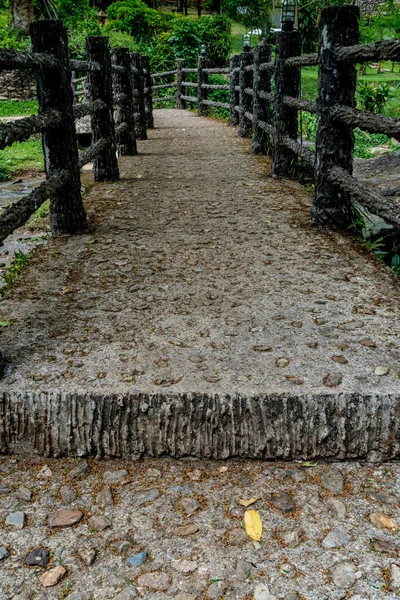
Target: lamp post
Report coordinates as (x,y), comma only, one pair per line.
(288,15)
(203,50)
(246,43)
(101,15)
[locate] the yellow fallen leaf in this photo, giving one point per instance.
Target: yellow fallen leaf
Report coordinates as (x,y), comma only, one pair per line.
(253,524)
(247,503)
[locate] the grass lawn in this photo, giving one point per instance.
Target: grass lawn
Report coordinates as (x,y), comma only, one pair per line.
(21,156)
(13,108)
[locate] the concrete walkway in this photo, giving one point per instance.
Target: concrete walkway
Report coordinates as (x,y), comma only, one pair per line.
(201,284)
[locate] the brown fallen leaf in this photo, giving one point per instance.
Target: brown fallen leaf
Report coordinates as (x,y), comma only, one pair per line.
(247,503)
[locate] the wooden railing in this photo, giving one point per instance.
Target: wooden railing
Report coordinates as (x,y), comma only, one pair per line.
(273,118)
(113,81)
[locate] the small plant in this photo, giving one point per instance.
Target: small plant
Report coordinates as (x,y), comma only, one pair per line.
(372,97)
(11,273)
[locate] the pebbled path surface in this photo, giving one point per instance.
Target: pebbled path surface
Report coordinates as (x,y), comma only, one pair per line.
(330,531)
(201,274)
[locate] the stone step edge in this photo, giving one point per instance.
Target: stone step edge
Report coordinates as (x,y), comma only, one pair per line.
(216,426)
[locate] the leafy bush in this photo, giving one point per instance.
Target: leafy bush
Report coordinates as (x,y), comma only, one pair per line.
(372,97)
(135,18)
(216,34)
(219,96)
(186,40)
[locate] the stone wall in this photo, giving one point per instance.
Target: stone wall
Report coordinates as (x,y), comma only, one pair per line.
(17,85)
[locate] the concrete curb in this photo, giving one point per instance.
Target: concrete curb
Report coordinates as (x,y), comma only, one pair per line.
(335,426)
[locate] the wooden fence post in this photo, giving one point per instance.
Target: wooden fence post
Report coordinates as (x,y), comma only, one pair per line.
(180,90)
(149,94)
(234,66)
(201,78)
(67,213)
(124,116)
(332,207)
(102,122)
(138,97)
(245,100)
(261,107)
(287,83)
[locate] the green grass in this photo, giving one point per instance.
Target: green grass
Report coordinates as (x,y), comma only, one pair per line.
(15,108)
(21,156)
(237,31)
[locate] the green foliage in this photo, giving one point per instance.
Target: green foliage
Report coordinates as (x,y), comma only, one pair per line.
(385,23)
(11,273)
(308,13)
(136,19)
(14,40)
(22,156)
(219,96)
(256,16)
(186,40)
(309,126)
(216,34)
(11,108)
(41,213)
(372,97)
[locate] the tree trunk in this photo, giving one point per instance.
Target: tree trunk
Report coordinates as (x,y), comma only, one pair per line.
(21,14)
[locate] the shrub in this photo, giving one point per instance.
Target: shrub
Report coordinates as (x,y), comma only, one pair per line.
(186,40)
(372,97)
(216,34)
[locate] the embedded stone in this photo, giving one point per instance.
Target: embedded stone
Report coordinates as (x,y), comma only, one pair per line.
(155,581)
(104,497)
(336,507)
(395,578)
(145,497)
(386,547)
(189,505)
(283,502)
(68,494)
(53,576)
(3,552)
(243,569)
(216,590)
(186,530)
(81,467)
(87,556)
(23,493)
(65,517)
(16,519)
(343,574)
(332,480)
(115,476)
(99,522)
(335,539)
(185,566)
(126,594)
(383,522)
(137,560)
(37,558)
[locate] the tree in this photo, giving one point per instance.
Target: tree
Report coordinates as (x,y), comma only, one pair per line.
(22,12)
(252,13)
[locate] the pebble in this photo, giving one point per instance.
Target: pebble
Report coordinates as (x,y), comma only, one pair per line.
(121,547)
(283,502)
(145,497)
(87,556)
(195,475)
(68,494)
(343,574)
(335,539)
(292,538)
(45,472)
(384,498)
(126,593)
(383,522)
(53,576)
(216,590)
(333,379)
(81,467)
(386,547)
(115,476)
(152,474)
(262,593)
(155,581)
(38,557)
(186,530)
(332,480)
(237,537)
(395,578)
(5,490)
(104,497)
(99,522)
(186,597)
(25,595)
(23,493)
(336,507)
(182,489)
(189,505)
(137,560)
(16,519)
(243,569)
(185,566)
(65,517)
(3,552)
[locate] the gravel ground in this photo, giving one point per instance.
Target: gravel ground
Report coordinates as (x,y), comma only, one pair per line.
(329,530)
(201,274)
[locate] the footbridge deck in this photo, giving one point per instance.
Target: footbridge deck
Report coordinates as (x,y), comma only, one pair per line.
(202,315)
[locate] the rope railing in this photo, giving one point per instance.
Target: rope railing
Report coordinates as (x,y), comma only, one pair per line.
(164,74)
(23,129)
(13,59)
(379,51)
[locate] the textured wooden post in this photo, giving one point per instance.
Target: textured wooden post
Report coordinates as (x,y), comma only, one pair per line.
(102,122)
(67,213)
(180,90)
(245,100)
(287,83)
(201,78)
(261,107)
(138,97)
(149,95)
(234,65)
(124,116)
(332,208)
